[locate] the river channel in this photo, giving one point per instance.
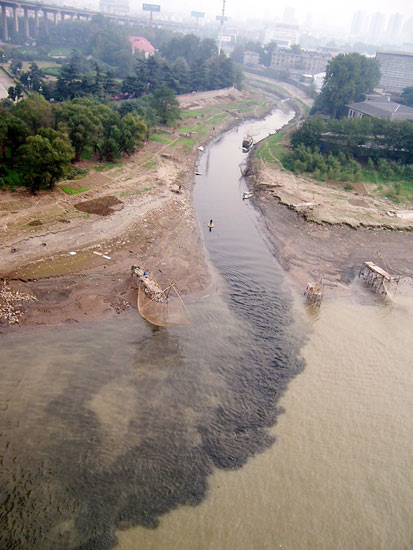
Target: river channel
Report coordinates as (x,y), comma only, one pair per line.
(255,427)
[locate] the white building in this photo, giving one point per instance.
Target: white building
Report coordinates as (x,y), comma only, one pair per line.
(285,35)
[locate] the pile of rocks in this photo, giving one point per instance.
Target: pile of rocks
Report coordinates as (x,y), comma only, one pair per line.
(12,304)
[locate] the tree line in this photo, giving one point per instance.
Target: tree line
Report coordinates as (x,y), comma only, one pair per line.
(364,138)
(78,79)
(82,77)
(106,44)
(40,139)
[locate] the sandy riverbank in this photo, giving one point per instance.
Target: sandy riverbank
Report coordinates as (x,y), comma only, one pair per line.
(73,253)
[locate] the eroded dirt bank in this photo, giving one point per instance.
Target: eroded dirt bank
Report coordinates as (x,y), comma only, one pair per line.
(72,254)
(328,232)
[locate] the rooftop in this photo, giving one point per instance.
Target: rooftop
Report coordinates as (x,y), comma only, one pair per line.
(409,54)
(140,43)
(383,109)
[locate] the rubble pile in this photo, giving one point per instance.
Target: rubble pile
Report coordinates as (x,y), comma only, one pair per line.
(11,304)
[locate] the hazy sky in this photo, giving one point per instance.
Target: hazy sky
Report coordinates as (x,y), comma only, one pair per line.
(323,10)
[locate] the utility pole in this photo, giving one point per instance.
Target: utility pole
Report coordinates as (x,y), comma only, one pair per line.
(222,24)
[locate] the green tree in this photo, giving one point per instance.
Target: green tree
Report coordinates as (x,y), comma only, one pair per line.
(11,91)
(207,48)
(16,134)
(407,96)
(44,159)
(69,84)
(133,86)
(165,104)
(84,122)
(36,112)
(19,91)
(348,78)
(179,80)
(198,76)
(33,78)
(309,133)
(222,73)
(15,66)
(133,133)
(266,53)
(237,53)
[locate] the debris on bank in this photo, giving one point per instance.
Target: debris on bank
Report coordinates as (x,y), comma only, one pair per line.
(377,277)
(12,304)
(314,292)
(155,304)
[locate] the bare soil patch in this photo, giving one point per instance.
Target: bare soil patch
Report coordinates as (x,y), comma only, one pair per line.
(101,206)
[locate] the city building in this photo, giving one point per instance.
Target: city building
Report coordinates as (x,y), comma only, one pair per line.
(380,107)
(289,16)
(140,44)
(304,61)
(376,26)
(396,70)
(357,23)
(408,30)
(285,35)
(251,58)
(394,28)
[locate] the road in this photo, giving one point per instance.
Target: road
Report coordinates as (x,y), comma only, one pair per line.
(5,83)
(295,92)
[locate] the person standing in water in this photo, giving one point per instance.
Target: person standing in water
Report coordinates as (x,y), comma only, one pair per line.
(210,225)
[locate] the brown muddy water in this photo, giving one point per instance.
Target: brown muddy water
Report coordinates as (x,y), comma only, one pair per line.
(258,426)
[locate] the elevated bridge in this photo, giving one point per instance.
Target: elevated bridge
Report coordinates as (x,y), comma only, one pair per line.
(46,14)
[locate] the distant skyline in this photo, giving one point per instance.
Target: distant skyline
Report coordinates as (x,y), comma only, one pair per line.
(322,11)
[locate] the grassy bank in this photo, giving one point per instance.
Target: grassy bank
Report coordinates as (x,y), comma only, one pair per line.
(385,179)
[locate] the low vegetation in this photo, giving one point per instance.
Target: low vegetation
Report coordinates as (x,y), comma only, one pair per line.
(348,151)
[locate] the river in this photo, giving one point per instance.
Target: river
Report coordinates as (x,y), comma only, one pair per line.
(258,426)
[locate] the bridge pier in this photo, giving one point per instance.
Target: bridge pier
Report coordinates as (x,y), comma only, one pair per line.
(4,22)
(15,20)
(46,21)
(26,23)
(36,20)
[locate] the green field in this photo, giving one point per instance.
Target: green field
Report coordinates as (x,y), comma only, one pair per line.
(160,139)
(70,190)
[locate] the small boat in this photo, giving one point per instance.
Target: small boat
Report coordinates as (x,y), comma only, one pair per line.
(246,195)
(247,143)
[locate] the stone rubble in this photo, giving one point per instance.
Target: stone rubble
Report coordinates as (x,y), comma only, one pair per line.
(11,304)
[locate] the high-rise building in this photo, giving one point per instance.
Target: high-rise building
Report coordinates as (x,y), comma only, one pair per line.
(394,28)
(308,23)
(408,31)
(357,23)
(376,26)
